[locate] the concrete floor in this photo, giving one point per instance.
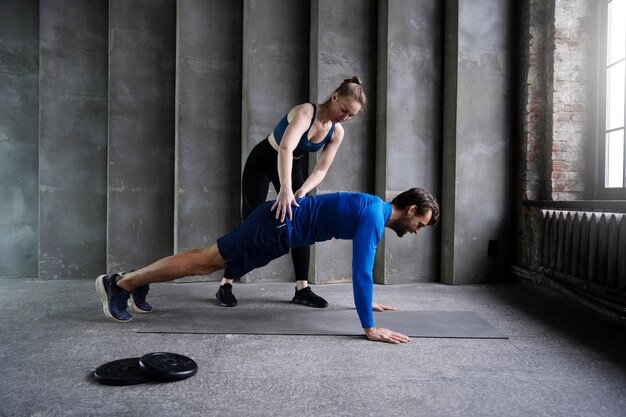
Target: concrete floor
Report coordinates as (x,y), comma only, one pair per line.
(558,361)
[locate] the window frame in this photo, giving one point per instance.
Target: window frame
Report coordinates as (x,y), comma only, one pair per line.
(613,193)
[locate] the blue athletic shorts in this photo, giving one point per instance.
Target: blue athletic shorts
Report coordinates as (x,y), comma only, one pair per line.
(258,240)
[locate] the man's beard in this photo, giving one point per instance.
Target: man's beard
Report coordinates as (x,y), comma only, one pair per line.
(402,226)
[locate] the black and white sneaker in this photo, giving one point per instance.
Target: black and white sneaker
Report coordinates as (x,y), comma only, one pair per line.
(225,296)
(137,301)
(307,297)
(114,299)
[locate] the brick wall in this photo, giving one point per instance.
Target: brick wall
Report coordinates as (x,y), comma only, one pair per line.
(534,98)
(570,102)
(554,81)
(555,97)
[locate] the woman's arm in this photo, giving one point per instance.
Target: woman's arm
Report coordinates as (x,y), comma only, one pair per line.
(326,159)
(298,124)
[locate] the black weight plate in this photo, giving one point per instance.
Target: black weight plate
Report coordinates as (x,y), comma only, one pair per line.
(120,372)
(170,366)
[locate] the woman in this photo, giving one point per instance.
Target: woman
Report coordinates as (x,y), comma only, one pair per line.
(279,159)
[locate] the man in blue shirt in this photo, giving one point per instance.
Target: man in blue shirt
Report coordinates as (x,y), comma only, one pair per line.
(262,237)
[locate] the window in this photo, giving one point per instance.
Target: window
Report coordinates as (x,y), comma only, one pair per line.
(612,115)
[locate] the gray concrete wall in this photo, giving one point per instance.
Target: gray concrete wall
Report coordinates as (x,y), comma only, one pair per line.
(477,142)
(208,117)
(409,134)
(343,44)
(19,137)
(73,132)
(141,132)
(191,86)
(275,78)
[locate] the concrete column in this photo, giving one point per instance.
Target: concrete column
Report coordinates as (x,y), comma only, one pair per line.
(408,125)
(343,44)
(208,118)
(477,148)
(19,137)
(275,78)
(141,132)
(73,126)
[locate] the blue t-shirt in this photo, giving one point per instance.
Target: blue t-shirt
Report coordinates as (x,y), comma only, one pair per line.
(357,216)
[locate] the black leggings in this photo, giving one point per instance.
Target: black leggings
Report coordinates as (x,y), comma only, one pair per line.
(260,170)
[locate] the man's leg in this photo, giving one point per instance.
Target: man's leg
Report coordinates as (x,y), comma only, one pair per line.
(115,289)
(189,263)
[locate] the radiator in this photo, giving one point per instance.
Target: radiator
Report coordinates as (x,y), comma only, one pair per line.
(587,249)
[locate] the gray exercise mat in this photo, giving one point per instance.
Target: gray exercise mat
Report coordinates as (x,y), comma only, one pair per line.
(337,322)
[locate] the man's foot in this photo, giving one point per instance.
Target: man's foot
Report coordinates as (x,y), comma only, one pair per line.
(137,301)
(225,296)
(114,299)
(307,297)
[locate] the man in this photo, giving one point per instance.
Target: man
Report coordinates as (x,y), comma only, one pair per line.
(262,238)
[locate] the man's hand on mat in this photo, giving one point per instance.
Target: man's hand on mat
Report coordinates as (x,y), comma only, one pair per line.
(378,334)
(382,307)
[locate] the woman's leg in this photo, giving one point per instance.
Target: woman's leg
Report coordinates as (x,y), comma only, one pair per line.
(254,185)
(256,177)
(300,256)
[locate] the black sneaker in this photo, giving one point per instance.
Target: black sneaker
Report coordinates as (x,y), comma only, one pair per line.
(307,297)
(225,296)
(137,301)
(114,299)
